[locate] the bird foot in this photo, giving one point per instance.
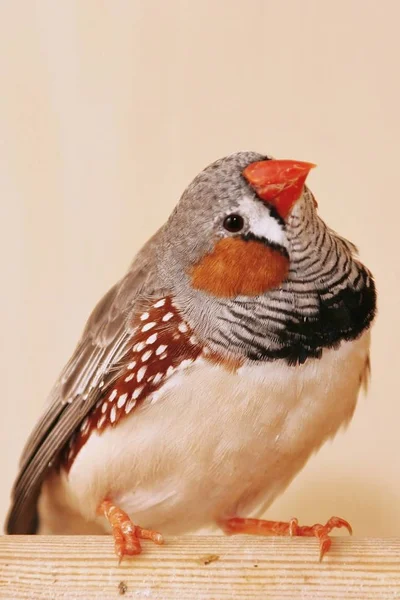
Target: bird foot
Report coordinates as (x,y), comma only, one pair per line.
(292,528)
(127,536)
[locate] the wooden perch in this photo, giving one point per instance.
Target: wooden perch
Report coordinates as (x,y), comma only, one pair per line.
(199,568)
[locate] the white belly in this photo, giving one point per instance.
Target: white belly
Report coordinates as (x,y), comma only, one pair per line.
(213,443)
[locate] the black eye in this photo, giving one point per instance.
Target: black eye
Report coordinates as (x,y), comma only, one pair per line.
(233,223)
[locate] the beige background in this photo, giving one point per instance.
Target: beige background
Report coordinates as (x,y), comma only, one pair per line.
(109,108)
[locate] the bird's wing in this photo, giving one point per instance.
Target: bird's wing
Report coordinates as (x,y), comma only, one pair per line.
(91,368)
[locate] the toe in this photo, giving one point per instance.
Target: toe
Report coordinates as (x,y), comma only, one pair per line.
(148,534)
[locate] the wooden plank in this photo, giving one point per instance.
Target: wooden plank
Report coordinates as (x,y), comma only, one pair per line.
(199,568)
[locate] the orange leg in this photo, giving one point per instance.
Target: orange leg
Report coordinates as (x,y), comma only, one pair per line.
(127,536)
(292,528)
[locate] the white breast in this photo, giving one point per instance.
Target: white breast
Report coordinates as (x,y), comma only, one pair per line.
(213,443)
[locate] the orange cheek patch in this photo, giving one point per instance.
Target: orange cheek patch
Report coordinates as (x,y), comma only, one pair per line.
(236,267)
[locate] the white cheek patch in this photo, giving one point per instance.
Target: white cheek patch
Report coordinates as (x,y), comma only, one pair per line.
(261,223)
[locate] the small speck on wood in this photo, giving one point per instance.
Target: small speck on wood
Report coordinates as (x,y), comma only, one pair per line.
(122,588)
(209,558)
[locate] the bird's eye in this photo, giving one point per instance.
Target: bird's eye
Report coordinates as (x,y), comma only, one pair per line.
(233,223)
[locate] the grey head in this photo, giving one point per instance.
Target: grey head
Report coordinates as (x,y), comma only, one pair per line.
(326,296)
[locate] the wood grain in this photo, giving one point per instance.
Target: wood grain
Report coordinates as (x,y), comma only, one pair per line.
(199,568)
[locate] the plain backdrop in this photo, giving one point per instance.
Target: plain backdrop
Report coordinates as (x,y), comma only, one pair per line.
(109,108)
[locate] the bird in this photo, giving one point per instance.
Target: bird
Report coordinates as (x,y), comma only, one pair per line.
(236,344)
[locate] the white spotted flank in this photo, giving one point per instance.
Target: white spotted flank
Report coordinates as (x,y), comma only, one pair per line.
(162,345)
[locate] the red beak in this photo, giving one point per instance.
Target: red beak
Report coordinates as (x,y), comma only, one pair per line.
(279,182)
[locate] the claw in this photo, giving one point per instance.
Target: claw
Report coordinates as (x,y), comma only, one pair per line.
(324,545)
(338,522)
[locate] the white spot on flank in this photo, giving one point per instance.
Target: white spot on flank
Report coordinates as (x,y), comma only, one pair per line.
(147,355)
(139,347)
(104,407)
(161,349)
(131,404)
(131,365)
(113,395)
(129,378)
(85,426)
(182,327)
(113,414)
(163,356)
(170,370)
(150,378)
(185,363)
(144,316)
(141,373)
(152,339)
(137,392)
(122,400)
(148,326)
(159,303)
(101,422)
(157,378)
(193,339)
(168,316)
